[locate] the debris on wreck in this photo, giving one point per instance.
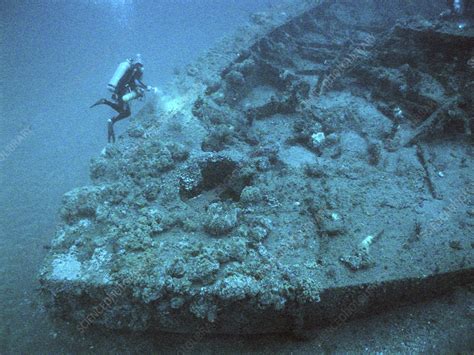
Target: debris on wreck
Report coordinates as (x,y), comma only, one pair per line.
(360,258)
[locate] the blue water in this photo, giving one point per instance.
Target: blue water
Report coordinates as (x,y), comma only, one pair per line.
(56,57)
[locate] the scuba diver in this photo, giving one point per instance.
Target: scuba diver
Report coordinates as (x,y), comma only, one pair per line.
(125,85)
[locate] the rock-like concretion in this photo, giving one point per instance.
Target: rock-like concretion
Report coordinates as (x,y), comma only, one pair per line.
(324,172)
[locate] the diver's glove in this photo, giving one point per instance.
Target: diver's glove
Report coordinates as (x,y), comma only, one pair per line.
(152,88)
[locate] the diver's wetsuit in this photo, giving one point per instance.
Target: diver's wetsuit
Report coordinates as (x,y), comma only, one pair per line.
(130,82)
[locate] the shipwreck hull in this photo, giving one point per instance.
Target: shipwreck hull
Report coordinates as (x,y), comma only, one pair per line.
(111,307)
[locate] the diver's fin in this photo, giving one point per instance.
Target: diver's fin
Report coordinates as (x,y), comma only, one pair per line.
(99,102)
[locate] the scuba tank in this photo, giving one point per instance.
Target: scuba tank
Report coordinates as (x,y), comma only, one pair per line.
(119,74)
(130,96)
(133,94)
